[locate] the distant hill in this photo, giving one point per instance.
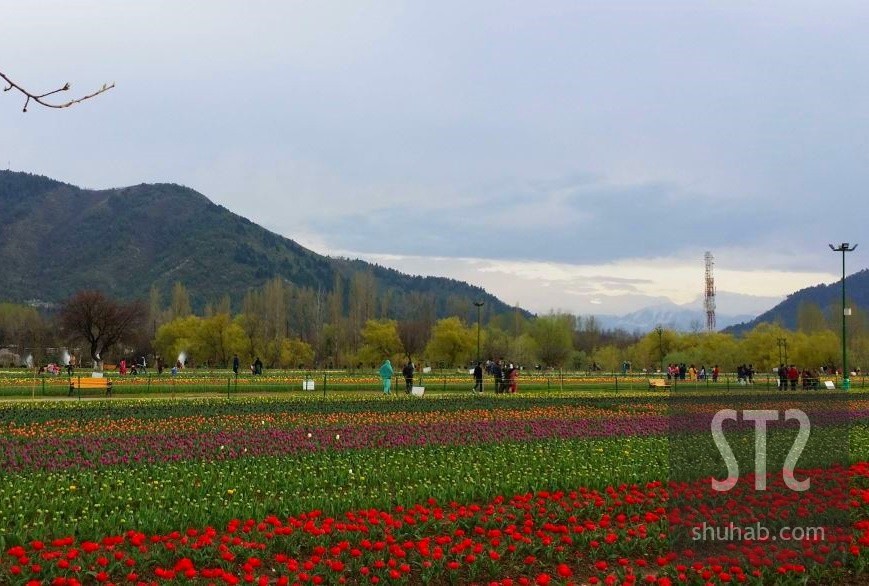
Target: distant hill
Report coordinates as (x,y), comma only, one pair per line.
(56,239)
(824,296)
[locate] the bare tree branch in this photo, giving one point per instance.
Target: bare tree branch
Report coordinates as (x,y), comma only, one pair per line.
(100,321)
(39,98)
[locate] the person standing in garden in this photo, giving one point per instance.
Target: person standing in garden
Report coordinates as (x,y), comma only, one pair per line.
(386,373)
(513,378)
(497,374)
(793,376)
(257,366)
(235,364)
(407,371)
(478,378)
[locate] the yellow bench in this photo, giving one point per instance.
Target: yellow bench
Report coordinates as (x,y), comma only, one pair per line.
(658,383)
(90,383)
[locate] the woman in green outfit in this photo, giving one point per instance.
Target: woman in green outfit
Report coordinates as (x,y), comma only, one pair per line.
(386,375)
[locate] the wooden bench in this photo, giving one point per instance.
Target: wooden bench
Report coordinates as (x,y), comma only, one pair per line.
(90,383)
(658,383)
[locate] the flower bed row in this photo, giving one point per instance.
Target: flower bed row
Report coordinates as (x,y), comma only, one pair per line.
(119,425)
(338,404)
(158,442)
(618,535)
(92,451)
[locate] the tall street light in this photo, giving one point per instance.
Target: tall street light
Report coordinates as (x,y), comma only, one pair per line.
(843,248)
(660,332)
(479,305)
(783,343)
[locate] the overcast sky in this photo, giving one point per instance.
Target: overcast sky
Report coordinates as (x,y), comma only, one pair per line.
(564,155)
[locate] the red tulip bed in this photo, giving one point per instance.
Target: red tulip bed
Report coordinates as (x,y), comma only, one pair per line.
(542,489)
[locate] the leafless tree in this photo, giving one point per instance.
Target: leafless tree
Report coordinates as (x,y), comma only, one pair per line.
(40,98)
(100,321)
(414,335)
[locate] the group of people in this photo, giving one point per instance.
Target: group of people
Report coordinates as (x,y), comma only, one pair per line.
(134,367)
(505,376)
(140,366)
(255,368)
(55,369)
(683,372)
(790,377)
(50,368)
(745,374)
(387,372)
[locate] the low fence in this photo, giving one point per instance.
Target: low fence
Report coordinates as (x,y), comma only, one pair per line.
(26,383)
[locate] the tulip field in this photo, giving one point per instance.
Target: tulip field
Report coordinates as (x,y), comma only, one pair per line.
(541,487)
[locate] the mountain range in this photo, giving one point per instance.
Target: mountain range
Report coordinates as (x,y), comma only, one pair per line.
(733,309)
(57,239)
(671,316)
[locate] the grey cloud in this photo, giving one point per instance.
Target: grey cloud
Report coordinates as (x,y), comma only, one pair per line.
(611,222)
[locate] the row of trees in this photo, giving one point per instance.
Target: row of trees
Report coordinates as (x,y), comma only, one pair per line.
(287,326)
(356,337)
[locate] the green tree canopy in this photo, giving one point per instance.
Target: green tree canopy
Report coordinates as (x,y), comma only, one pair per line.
(296,354)
(380,340)
(452,343)
(554,337)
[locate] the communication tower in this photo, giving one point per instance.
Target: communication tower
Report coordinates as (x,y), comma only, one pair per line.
(709,300)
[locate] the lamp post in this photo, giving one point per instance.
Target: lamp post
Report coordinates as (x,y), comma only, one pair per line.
(843,248)
(479,305)
(660,332)
(782,343)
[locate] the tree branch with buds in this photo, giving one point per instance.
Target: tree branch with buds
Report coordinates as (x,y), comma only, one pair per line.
(40,98)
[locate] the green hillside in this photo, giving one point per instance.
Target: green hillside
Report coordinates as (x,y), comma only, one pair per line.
(56,239)
(827,297)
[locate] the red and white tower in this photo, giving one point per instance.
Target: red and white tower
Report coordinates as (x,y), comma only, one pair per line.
(709,300)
